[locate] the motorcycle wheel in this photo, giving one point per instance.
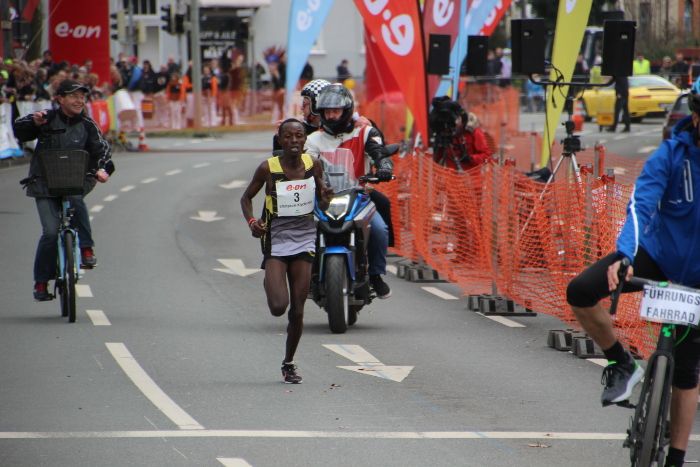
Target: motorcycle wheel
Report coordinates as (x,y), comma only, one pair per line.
(336,285)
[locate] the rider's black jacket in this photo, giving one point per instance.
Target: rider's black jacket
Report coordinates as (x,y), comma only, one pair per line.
(63,132)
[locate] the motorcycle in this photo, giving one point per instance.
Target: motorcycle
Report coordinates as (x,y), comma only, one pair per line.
(340,280)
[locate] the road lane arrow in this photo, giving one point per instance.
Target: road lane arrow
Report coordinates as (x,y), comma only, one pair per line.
(233,184)
(235,267)
(368,364)
(207,216)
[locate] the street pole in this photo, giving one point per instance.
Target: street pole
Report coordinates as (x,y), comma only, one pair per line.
(196,64)
(6,27)
(130,35)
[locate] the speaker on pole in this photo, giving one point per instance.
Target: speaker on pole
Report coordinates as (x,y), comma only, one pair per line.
(439,54)
(527,36)
(477,48)
(618,48)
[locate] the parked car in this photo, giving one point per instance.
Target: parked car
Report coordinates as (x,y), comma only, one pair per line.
(650,96)
(677,112)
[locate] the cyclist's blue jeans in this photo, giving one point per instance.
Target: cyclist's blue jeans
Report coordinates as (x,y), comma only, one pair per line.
(49,214)
(378,244)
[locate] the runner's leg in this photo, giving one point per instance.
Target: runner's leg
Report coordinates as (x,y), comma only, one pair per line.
(299,275)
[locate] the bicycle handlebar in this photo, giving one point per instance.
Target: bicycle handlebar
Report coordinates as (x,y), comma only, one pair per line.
(372,179)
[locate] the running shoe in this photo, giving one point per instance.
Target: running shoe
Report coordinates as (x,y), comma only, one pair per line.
(619,379)
(289,374)
(87,257)
(41,292)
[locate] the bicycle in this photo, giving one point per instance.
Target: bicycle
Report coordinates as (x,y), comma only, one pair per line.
(648,434)
(65,171)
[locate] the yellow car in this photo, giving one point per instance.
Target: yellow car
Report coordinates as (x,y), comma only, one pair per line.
(650,96)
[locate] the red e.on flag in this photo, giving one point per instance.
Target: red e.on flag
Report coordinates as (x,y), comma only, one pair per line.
(396,26)
(79,31)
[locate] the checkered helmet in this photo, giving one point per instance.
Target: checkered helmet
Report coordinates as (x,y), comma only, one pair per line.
(312,90)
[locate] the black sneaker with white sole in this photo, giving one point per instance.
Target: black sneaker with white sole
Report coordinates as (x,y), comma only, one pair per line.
(289,373)
(380,287)
(619,379)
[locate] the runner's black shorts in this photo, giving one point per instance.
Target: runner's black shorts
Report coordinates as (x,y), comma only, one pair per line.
(304,256)
(591,286)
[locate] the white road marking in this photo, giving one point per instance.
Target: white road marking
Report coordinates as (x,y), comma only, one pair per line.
(97,208)
(207,216)
(149,180)
(83,291)
(91,218)
(236,267)
(173,172)
(620,137)
(646,149)
(420,435)
(233,462)
(599,361)
(127,188)
(195,141)
(503,320)
(369,364)
(602,141)
(392,269)
(200,165)
(150,389)
(439,293)
(232,159)
(233,184)
(110,198)
(98,317)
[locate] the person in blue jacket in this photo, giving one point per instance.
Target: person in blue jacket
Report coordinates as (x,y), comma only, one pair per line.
(661,239)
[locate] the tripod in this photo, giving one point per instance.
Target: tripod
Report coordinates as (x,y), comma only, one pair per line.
(572,145)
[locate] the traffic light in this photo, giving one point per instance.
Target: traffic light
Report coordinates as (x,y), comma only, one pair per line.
(168,19)
(118,24)
(141,36)
(179,23)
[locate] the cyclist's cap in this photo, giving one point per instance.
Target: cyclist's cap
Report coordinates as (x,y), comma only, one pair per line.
(69,86)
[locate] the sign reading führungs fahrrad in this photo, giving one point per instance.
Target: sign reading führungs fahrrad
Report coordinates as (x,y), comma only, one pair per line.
(670,305)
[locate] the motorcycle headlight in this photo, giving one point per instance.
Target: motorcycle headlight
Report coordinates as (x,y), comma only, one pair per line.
(338,207)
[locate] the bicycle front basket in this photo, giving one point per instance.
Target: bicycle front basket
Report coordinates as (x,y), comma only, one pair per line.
(64,171)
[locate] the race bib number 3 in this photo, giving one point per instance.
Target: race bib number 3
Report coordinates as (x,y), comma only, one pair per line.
(669,305)
(296,197)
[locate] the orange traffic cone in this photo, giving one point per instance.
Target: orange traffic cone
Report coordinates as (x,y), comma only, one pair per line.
(142,140)
(578,115)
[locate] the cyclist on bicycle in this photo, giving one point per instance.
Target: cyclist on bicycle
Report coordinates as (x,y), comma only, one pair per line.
(64,127)
(659,237)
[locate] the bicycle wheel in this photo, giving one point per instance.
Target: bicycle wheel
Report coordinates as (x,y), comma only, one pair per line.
(649,417)
(69,278)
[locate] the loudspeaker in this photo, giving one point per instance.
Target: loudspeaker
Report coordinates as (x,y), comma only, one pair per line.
(527,36)
(439,54)
(618,48)
(477,47)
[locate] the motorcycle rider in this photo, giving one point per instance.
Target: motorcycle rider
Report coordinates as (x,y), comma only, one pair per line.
(336,107)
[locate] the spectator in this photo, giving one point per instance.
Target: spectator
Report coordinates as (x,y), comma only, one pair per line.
(621,104)
(47,61)
(641,66)
(175,96)
(343,71)
(506,67)
(307,74)
(679,71)
(535,95)
(666,66)
(238,86)
(277,71)
(210,92)
(493,66)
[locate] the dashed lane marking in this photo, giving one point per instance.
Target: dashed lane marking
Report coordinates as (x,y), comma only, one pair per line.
(232,159)
(418,435)
(150,389)
(83,291)
(233,462)
(173,172)
(110,198)
(98,317)
(646,149)
(503,320)
(127,188)
(439,293)
(599,361)
(149,180)
(97,208)
(392,269)
(200,165)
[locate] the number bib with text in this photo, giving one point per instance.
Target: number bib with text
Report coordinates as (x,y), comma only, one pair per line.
(296,197)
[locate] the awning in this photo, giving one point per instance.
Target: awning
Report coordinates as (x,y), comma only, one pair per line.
(234,3)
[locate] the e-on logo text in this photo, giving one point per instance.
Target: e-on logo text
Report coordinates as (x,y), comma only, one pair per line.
(81,31)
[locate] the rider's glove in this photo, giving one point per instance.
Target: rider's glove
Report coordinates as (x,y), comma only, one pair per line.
(384,175)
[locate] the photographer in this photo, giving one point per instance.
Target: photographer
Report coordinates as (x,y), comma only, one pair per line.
(456,138)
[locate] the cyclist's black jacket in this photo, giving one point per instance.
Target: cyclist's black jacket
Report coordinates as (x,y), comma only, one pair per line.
(63,132)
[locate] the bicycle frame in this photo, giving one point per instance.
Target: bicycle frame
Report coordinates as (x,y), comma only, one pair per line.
(66,216)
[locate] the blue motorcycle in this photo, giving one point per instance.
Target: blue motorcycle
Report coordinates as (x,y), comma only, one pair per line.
(340,282)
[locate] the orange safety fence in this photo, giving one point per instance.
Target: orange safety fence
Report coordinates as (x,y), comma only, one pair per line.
(494,225)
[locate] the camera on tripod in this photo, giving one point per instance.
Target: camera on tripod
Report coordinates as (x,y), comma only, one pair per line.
(443,121)
(572,142)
